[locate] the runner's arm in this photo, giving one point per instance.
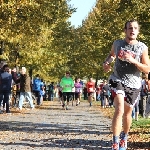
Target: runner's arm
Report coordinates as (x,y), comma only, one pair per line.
(61,84)
(111,57)
(73,84)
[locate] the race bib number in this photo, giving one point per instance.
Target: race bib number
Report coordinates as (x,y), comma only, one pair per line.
(122,53)
(67,85)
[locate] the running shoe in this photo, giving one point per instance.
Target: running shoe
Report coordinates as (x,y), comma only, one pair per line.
(123,145)
(66,107)
(115,146)
(63,105)
(90,104)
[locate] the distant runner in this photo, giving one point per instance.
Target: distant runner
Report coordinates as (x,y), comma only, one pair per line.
(66,84)
(90,89)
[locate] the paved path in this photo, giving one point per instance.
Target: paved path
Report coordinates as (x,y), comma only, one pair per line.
(51,128)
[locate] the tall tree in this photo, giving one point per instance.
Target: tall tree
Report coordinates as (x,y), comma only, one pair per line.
(29,29)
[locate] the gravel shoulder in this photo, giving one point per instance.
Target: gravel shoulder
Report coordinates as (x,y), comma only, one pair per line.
(52,128)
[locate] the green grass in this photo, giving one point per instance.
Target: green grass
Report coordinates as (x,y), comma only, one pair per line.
(141,123)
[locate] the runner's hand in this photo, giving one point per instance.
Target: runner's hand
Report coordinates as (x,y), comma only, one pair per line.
(129,58)
(106,67)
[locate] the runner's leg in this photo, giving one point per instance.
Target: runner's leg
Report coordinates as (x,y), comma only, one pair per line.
(63,99)
(117,118)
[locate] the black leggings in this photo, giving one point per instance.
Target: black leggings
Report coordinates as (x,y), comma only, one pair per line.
(67,96)
(5,97)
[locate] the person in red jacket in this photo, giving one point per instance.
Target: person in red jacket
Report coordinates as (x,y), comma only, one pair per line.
(90,89)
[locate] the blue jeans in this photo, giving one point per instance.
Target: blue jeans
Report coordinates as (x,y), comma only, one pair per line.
(24,95)
(98,97)
(135,109)
(5,97)
(41,99)
(133,113)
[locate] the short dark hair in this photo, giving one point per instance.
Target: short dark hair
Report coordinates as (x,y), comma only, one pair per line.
(37,75)
(67,72)
(130,21)
(5,66)
(76,79)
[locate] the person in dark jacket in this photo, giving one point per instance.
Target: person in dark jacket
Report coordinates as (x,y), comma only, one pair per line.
(14,74)
(143,95)
(37,87)
(105,93)
(85,93)
(15,87)
(25,88)
(51,91)
(5,86)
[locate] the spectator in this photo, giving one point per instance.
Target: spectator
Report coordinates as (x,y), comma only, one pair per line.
(1,67)
(37,86)
(14,74)
(111,99)
(25,88)
(5,87)
(85,93)
(44,96)
(42,92)
(135,111)
(60,94)
(144,96)
(98,92)
(56,91)
(105,92)
(51,91)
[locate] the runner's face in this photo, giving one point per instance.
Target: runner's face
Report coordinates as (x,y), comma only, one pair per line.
(67,74)
(78,80)
(132,30)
